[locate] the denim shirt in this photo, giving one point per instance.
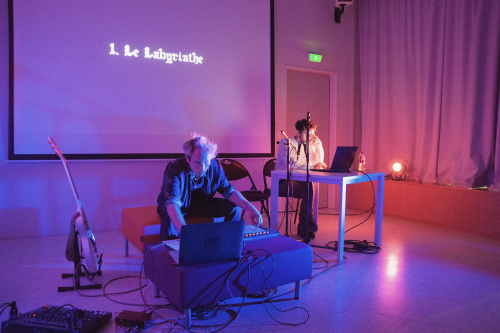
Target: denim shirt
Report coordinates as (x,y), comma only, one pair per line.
(177,185)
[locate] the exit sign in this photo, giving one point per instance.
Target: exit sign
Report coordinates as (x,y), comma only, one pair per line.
(315,57)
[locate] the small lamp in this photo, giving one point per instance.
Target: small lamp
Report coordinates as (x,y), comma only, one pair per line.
(398,171)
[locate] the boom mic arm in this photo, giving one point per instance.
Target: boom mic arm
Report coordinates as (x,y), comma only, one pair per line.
(289,141)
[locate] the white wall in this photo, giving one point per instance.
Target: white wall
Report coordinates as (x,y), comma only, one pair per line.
(35,197)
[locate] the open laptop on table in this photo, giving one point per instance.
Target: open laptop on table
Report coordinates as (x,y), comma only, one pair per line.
(342,161)
(208,243)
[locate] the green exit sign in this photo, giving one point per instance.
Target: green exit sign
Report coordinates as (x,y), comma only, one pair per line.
(315,57)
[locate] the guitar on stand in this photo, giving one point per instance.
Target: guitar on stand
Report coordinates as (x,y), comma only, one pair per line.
(81,243)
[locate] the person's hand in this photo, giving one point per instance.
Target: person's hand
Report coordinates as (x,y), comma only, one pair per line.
(320,165)
(256,217)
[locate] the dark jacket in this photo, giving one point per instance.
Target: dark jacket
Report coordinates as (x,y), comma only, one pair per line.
(176,187)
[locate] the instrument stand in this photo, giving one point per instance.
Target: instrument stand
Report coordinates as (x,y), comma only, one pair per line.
(79,271)
(308,240)
(287,189)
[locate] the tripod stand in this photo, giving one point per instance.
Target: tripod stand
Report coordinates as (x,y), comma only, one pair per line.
(289,144)
(307,240)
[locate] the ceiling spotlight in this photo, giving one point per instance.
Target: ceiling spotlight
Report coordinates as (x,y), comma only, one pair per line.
(398,171)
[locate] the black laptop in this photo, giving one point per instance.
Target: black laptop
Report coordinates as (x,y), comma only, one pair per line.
(342,161)
(209,242)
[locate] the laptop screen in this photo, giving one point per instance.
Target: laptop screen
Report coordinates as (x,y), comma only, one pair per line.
(342,161)
(211,242)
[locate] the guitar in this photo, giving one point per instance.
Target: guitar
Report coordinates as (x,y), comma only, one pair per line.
(86,240)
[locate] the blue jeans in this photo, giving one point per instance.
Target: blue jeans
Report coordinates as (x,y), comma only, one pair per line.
(298,189)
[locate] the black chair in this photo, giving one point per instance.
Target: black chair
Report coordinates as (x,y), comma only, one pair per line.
(234,170)
(268,167)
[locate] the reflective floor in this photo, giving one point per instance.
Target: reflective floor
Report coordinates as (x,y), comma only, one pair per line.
(424,279)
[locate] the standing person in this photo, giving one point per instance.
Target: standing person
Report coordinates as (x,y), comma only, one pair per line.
(298,189)
(189,186)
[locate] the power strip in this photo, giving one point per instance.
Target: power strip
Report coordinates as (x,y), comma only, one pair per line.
(132,319)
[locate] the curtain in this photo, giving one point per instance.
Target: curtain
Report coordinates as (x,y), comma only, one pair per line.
(429,85)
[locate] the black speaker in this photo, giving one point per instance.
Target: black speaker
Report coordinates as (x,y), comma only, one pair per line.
(338,13)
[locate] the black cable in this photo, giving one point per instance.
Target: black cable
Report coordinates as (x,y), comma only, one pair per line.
(213,310)
(264,284)
(324,271)
(262,293)
(263,287)
(373,206)
(115,293)
(368,210)
(5,306)
(239,309)
(203,313)
(353,214)
(120,293)
(276,298)
(356,246)
(210,308)
(353,246)
(154,307)
(326,261)
(290,206)
(149,307)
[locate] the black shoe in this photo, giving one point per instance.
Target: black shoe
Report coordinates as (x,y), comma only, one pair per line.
(301,233)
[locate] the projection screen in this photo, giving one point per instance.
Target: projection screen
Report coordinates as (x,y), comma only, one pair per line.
(134,79)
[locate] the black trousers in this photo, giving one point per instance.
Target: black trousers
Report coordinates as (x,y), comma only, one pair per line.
(298,189)
(215,207)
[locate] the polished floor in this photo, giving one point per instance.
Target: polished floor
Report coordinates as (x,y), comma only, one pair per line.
(424,279)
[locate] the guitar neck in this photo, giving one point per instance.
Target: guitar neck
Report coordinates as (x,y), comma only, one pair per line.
(71,183)
(77,199)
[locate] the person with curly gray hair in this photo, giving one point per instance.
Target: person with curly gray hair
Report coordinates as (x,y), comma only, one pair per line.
(189,186)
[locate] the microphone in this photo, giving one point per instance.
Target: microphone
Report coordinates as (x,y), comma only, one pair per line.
(289,141)
(300,145)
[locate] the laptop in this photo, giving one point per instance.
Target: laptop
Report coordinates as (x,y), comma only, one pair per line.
(208,243)
(342,161)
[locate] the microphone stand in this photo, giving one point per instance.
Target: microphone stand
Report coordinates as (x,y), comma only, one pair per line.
(288,143)
(308,240)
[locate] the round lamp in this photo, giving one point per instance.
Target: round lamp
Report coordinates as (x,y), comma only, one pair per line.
(398,171)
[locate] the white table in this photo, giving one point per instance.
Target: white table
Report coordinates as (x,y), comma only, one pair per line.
(342,179)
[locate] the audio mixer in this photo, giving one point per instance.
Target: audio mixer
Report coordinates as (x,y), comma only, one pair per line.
(57,319)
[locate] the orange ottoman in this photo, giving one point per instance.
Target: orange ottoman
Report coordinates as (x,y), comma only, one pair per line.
(140,225)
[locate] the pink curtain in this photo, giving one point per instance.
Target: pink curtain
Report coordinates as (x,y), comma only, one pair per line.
(430,88)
